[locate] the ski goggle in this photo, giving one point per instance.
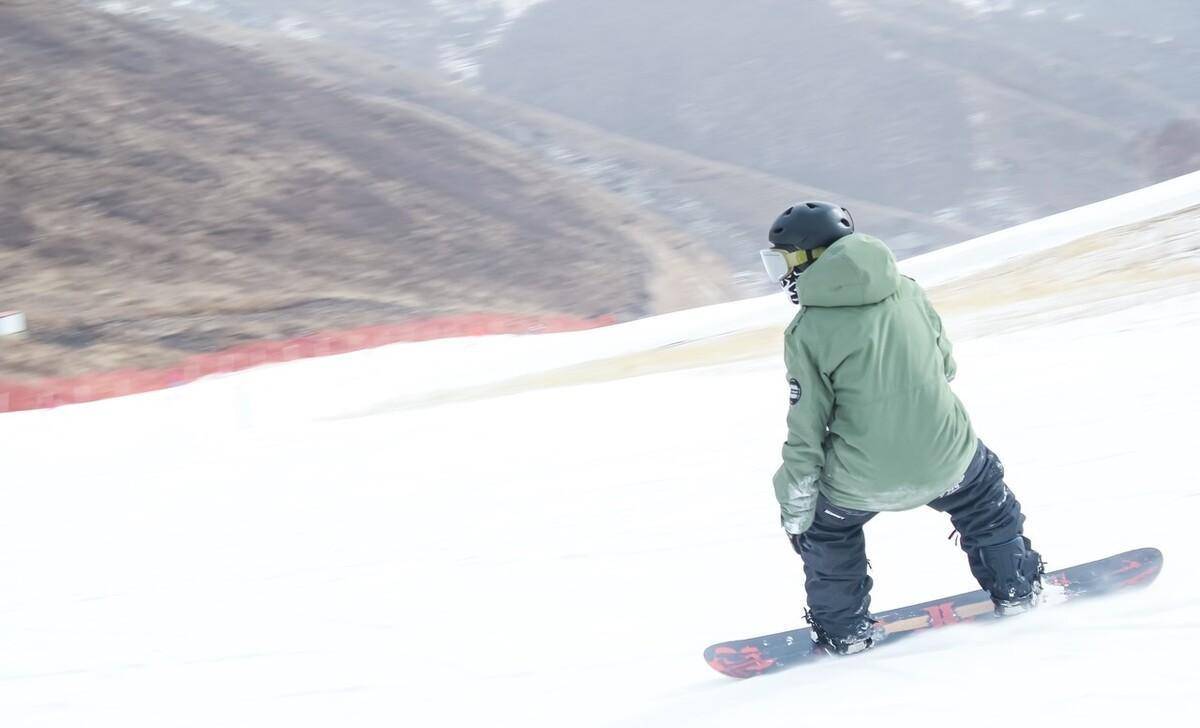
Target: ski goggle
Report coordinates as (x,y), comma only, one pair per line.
(779,263)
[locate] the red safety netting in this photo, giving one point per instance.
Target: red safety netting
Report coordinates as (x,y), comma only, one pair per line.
(15,395)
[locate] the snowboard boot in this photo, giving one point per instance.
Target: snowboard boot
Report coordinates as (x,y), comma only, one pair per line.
(1015,575)
(1009,606)
(861,637)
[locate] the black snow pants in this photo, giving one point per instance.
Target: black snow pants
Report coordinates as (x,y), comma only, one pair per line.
(983,510)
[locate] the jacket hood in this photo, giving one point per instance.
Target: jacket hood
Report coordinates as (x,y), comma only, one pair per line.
(857,270)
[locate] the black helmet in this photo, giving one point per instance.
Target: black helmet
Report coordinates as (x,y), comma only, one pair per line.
(809,225)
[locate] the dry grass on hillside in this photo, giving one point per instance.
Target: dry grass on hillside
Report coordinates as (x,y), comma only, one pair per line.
(161,195)
(1117,268)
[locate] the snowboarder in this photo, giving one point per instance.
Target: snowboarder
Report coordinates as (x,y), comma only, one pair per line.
(874,426)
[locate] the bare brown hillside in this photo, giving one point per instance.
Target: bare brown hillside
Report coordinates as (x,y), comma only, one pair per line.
(927,118)
(160,194)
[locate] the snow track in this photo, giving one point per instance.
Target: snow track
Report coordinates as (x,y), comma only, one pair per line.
(225,554)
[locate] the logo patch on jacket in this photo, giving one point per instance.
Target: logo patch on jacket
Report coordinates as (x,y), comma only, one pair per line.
(793,391)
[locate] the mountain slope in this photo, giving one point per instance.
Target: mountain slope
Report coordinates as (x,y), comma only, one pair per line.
(990,119)
(942,119)
(164,194)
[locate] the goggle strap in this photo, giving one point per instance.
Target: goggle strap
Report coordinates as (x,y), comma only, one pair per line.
(810,256)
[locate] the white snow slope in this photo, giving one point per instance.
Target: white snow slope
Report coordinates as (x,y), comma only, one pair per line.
(246,551)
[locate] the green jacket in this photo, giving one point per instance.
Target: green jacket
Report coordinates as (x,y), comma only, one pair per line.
(872,421)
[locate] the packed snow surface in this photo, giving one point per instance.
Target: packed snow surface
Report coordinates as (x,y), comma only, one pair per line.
(246,551)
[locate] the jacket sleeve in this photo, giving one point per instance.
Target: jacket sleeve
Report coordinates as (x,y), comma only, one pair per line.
(809,407)
(943,341)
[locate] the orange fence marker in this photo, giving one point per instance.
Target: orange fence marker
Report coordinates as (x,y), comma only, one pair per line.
(41,394)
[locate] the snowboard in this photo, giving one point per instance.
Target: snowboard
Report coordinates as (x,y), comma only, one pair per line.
(770,653)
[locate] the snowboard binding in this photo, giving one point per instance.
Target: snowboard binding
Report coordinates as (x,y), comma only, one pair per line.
(862,636)
(1019,605)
